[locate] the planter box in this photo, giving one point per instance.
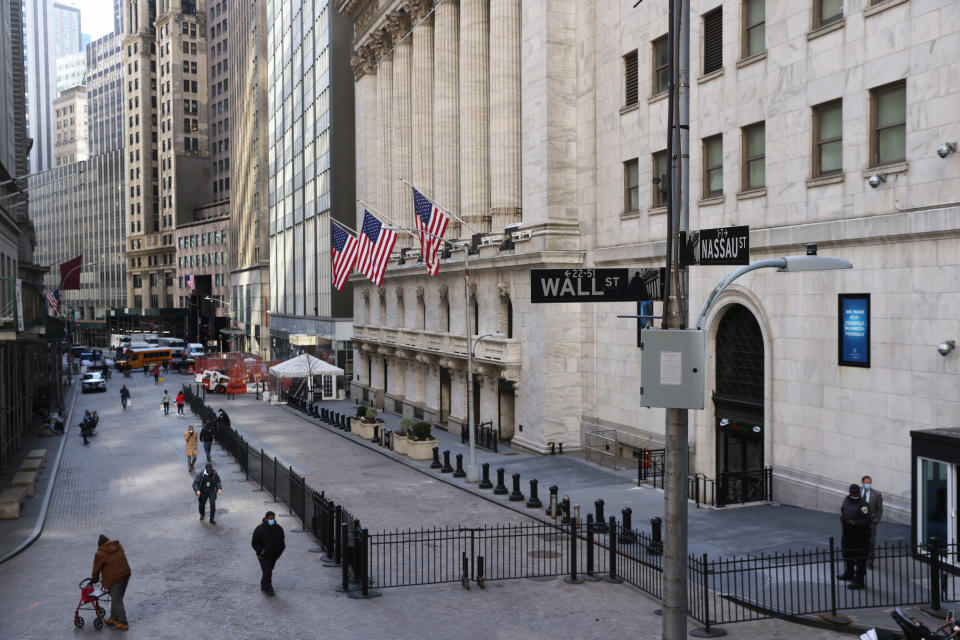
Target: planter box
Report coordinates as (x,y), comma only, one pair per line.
(421,449)
(400,444)
(361,429)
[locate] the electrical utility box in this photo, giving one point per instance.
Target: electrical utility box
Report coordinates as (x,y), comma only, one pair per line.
(671,368)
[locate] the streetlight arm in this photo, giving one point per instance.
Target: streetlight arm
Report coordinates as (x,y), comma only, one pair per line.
(778,263)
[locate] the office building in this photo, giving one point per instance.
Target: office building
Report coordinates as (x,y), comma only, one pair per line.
(105,103)
(70,126)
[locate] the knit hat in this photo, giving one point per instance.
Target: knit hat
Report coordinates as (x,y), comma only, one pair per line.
(269,515)
(102,539)
(854,490)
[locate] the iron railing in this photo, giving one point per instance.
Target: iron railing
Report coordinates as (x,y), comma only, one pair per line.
(486,435)
(602,446)
(754,485)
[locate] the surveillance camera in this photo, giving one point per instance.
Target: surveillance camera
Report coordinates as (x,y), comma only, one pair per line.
(946,148)
(876,180)
(946,347)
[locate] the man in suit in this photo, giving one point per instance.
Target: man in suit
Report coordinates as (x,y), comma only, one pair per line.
(874,500)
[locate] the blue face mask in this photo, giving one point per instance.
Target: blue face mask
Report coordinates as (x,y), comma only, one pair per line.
(271,522)
(868,486)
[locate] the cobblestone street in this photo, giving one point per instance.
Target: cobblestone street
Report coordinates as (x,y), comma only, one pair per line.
(190,577)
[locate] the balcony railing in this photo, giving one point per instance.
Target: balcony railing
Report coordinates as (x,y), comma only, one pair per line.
(503,350)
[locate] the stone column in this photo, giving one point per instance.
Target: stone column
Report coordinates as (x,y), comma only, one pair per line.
(367,124)
(402,124)
(422,95)
(505,200)
(446,102)
(475,113)
(381,43)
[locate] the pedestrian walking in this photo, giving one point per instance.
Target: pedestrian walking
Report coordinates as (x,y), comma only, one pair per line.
(166,366)
(206,437)
(156,374)
(208,487)
(165,400)
(179,402)
(124,396)
(269,545)
(874,500)
(855,522)
(146,370)
(110,565)
(191,438)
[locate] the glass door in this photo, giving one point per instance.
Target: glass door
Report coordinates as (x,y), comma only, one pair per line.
(937,493)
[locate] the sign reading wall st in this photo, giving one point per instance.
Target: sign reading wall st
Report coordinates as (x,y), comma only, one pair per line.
(596,285)
(724,245)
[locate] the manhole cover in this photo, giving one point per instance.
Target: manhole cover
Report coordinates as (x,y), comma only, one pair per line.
(543,553)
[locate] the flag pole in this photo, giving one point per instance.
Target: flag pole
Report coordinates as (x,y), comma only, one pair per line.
(344,227)
(444,209)
(392,222)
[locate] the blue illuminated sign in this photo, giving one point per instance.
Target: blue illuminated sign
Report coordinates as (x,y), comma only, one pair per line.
(854,329)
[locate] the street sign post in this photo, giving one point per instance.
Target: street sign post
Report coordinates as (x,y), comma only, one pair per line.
(721,246)
(596,285)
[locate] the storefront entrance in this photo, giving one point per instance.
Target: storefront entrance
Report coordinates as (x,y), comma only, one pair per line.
(936,486)
(738,400)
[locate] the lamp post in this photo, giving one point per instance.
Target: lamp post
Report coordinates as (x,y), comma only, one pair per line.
(217,302)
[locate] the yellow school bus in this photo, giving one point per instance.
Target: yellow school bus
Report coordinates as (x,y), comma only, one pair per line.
(139,356)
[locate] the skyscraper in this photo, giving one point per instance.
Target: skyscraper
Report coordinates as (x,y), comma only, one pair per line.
(105,95)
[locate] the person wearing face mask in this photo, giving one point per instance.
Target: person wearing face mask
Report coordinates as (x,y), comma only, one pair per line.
(855,523)
(874,500)
(208,487)
(269,545)
(192,451)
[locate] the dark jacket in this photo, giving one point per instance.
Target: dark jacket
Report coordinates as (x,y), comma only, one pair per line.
(110,564)
(206,434)
(856,510)
(268,541)
(124,392)
(207,484)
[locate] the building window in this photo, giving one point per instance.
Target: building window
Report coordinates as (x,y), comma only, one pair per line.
(630,78)
(659,171)
(754,156)
(827,12)
(661,65)
(828,136)
(713,41)
(713,166)
(137,281)
(753,27)
(631,185)
(888,115)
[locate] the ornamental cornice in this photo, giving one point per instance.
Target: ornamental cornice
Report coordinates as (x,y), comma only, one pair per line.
(417,9)
(398,24)
(504,288)
(444,291)
(427,358)
(420,292)
(380,42)
(383,294)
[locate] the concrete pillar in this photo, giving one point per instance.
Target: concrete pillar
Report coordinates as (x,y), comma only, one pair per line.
(505,200)
(367,124)
(422,97)
(381,43)
(401,124)
(474,114)
(446,102)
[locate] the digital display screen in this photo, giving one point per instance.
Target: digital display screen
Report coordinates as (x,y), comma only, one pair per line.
(854,320)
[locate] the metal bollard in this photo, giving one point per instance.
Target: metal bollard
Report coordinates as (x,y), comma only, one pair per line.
(576,514)
(501,488)
(572,577)
(612,576)
(565,509)
(436,459)
(516,495)
(591,527)
(656,536)
(485,481)
(388,439)
(552,505)
(601,525)
(627,536)
(534,501)
(376,434)
(446,463)
(459,473)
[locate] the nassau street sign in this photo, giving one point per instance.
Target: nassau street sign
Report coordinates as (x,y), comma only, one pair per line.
(596,285)
(725,245)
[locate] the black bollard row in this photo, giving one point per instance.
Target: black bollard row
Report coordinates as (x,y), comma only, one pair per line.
(446,462)
(601,520)
(516,495)
(459,473)
(627,535)
(565,509)
(376,434)
(534,501)
(485,480)
(501,488)
(436,459)
(554,490)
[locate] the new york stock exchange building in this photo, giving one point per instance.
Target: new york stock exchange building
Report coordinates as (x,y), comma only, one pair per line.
(540,127)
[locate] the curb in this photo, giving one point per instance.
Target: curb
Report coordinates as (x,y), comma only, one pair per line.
(41,519)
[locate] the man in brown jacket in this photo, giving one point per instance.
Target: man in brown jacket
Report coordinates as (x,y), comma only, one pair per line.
(110,564)
(191,438)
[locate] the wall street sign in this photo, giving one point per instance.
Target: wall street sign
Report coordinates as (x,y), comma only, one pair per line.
(596,285)
(724,245)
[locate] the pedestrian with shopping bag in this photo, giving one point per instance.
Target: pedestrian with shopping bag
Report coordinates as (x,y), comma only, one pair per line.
(180,400)
(165,402)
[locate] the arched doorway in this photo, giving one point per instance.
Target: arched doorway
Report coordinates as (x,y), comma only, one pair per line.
(738,403)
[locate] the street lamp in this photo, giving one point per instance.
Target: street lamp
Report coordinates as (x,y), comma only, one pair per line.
(473,473)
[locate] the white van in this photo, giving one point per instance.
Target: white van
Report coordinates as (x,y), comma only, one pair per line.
(176,345)
(194,350)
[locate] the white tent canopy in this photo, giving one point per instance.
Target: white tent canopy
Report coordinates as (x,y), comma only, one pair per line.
(302,366)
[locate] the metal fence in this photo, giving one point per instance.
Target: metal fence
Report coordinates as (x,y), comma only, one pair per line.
(601,446)
(485,434)
(720,590)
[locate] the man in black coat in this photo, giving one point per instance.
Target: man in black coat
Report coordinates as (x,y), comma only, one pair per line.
(206,437)
(855,543)
(208,487)
(269,545)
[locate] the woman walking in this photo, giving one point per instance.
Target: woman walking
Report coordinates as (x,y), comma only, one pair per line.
(192,451)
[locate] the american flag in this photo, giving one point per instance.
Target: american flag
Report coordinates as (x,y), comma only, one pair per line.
(344,252)
(53,302)
(189,282)
(376,243)
(431,222)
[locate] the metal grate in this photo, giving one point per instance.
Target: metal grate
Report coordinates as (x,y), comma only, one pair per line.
(740,357)
(631,89)
(713,41)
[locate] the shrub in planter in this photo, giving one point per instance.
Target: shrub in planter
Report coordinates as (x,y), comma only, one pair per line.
(370,415)
(400,435)
(356,423)
(420,443)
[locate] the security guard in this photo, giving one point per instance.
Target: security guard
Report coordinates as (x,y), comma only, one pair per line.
(855,543)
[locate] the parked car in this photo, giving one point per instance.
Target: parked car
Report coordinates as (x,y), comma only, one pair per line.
(93,381)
